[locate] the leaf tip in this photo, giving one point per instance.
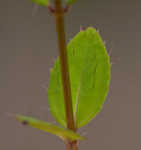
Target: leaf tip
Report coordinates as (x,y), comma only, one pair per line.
(82,28)
(70,2)
(21,119)
(41,2)
(17,117)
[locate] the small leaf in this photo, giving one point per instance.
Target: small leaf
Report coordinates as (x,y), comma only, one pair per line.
(70,2)
(89,67)
(41,2)
(47,127)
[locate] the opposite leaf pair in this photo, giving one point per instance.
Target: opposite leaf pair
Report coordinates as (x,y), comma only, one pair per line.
(89,67)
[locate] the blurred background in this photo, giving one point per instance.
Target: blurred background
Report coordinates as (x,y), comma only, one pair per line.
(28,48)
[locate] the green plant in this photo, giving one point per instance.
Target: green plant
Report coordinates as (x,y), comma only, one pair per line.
(79,80)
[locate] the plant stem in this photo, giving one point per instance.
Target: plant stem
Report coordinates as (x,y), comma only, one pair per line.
(59,15)
(60,27)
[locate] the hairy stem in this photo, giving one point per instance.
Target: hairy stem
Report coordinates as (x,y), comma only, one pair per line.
(59,15)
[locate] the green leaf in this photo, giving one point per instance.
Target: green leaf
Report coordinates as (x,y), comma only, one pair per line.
(41,2)
(47,127)
(89,67)
(70,2)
